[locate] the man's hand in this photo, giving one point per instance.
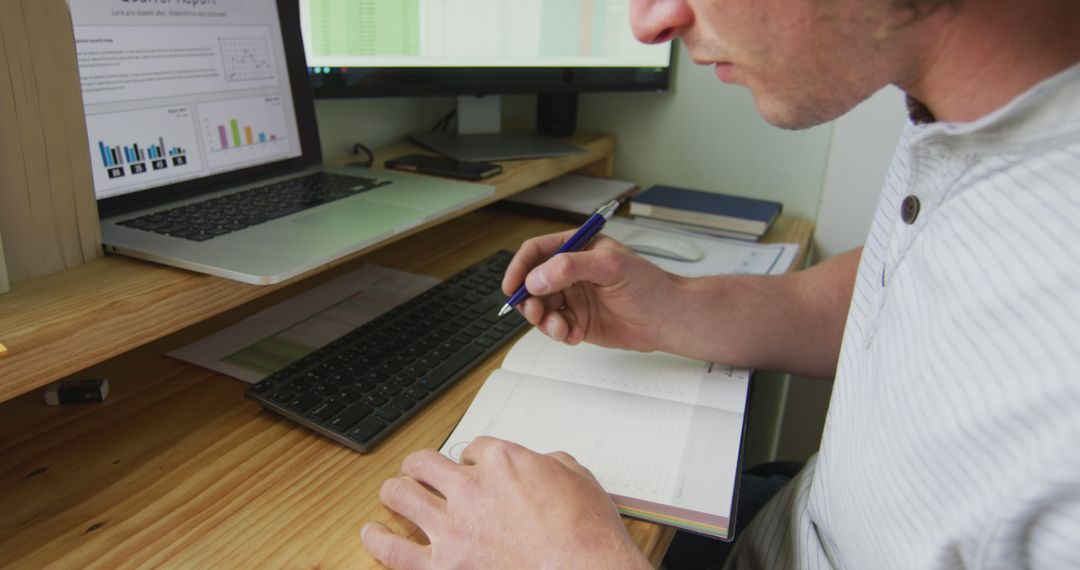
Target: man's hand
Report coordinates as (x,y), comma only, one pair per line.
(606,295)
(503,507)
(609,296)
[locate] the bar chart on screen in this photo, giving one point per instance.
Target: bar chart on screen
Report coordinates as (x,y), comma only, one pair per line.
(142,148)
(243,130)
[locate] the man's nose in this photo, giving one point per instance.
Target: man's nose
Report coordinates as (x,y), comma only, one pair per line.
(658,21)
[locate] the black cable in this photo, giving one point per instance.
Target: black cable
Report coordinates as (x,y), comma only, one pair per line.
(361,150)
(444,123)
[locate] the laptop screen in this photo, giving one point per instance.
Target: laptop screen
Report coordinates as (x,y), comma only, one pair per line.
(182,90)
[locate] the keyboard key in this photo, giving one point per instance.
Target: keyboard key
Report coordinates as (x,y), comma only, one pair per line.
(404,380)
(446,370)
(367,429)
(348,419)
(326,410)
(301,384)
(364,387)
(416,393)
(388,414)
(349,395)
(305,402)
(389,389)
(343,379)
(282,397)
(375,399)
(263,387)
(403,402)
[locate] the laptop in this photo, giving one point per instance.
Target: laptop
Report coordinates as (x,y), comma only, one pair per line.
(205,150)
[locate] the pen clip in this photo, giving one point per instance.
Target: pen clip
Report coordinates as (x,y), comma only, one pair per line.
(607,210)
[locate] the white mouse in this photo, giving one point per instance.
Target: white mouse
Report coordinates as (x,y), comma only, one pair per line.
(661,245)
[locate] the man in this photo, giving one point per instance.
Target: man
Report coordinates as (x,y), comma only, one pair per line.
(954,335)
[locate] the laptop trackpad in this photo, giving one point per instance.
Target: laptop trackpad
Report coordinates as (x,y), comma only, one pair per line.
(361,215)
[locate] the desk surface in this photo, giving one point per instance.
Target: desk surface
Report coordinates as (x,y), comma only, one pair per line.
(177,468)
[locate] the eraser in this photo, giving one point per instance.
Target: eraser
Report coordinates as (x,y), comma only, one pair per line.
(77,392)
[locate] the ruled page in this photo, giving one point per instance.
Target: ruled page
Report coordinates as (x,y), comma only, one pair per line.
(656,450)
(653,374)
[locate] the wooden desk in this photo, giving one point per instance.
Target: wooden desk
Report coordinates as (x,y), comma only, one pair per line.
(177,469)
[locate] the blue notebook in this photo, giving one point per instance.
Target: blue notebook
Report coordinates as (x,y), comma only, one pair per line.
(708,209)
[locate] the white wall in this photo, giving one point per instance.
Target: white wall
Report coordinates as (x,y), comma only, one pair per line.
(706,134)
(859,154)
(375,122)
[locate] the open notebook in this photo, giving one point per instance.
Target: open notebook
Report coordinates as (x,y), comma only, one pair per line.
(661,432)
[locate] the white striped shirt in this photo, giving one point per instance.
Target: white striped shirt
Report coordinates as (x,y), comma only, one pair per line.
(953,434)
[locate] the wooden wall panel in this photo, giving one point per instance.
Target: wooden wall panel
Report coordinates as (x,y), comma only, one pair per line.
(48,214)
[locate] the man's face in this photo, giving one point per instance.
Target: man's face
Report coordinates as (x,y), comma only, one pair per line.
(805,61)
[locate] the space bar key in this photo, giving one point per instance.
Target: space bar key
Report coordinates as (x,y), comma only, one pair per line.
(446,370)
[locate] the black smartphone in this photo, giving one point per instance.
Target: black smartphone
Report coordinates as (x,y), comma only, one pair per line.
(441,166)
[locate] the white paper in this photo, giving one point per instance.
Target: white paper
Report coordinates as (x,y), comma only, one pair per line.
(644,448)
(652,374)
(651,426)
(722,256)
(262,343)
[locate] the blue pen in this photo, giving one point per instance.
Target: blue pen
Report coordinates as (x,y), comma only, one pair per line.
(577,242)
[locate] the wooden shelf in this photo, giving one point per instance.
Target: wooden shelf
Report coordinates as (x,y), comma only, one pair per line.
(59,324)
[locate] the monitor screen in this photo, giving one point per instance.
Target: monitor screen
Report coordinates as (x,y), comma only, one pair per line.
(376,48)
(182,92)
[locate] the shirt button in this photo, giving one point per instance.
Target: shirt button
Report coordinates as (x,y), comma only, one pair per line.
(909,209)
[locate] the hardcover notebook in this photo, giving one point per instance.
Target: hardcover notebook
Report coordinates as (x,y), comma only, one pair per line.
(662,433)
(709,209)
(572,197)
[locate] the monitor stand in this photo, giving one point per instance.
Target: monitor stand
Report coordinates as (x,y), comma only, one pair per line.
(479,138)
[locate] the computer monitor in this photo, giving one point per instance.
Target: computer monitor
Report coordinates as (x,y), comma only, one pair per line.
(479,50)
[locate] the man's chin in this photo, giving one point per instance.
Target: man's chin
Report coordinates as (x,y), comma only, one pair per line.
(793,117)
(792,121)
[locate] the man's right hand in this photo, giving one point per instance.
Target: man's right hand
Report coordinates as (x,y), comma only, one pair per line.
(605,295)
(609,296)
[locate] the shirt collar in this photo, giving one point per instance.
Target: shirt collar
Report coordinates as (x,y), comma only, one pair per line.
(1045,116)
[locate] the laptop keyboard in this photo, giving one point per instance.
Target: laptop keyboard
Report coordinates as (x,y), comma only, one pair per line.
(366,384)
(222,215)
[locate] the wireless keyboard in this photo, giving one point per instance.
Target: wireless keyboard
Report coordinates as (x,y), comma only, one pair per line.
(360,388)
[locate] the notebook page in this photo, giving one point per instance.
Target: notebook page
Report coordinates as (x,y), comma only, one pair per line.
(652,374)
(658,451)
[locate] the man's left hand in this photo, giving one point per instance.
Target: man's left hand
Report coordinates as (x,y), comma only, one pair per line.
(502,507)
